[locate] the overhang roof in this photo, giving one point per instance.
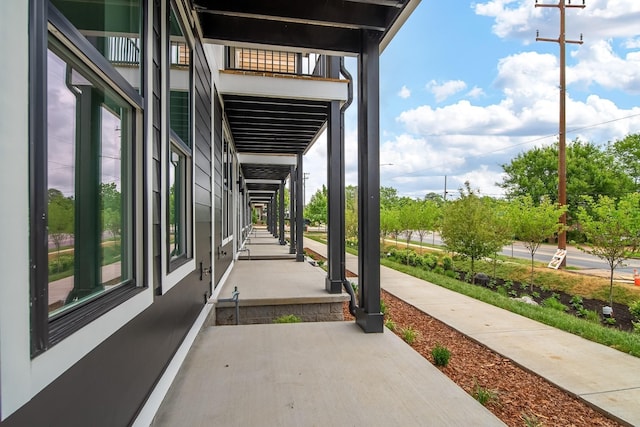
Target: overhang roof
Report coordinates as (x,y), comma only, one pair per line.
(260,179)
(273,125)
(328,26)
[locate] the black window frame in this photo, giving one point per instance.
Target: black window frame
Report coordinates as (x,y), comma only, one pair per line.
(46,331)
(185,147)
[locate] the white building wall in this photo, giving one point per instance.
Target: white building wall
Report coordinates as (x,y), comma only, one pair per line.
(14,208)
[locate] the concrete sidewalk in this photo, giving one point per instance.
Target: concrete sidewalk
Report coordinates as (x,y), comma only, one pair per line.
(605,378)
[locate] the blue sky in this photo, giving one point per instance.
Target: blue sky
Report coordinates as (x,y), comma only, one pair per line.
(465,87)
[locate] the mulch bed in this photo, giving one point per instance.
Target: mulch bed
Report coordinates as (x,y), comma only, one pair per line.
(519,392)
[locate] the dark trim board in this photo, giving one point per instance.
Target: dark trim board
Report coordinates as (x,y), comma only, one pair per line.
(109,385)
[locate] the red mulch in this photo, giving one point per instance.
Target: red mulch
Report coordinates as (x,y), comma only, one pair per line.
(519,392)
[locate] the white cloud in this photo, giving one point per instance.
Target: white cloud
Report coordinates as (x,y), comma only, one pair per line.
(599,19)
(404,92)
(444,90)
(599,64)
(632,43)
(476,92)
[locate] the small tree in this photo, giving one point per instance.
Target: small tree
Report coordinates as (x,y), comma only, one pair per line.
(428,213)
(468,226)
(60,219)
(502,228)
(408,219)
(316,209)
(389,223)
(610,229)
(534,224)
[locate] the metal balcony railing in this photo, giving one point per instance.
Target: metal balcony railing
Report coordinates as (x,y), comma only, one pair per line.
(125,51)
(273,61)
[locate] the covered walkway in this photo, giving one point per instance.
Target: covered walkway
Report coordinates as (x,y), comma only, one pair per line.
(308,374)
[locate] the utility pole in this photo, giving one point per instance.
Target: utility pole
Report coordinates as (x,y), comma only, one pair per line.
(562,135)
(444,194)
(305,176)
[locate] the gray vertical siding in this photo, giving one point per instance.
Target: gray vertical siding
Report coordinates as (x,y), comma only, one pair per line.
(109,385)
(202,161)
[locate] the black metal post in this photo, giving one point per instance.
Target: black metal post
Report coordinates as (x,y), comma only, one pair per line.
(292,211)
(368,314)
(281,214)
(335,189)
(271,215)
(275,214)
(299,211)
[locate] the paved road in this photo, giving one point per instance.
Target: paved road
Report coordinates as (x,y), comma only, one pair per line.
(575,257)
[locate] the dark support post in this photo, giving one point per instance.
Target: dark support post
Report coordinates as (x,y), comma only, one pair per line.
(276,220)
(281,214)
(292,211)
(335,188)
(299,211)
(368,314)
(272,216)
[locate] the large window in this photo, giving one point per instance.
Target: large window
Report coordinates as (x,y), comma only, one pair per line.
(83,186)
(180,150)
(227,190)
(89,190)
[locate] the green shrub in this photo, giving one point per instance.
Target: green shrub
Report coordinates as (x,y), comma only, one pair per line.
(484,395)
(450,273)
(634,309)
(592,316)
(288,318)
(61,263)
(354,286)
(390,324)
(409,334)
(554,302)
(438,270)
(447,263)
(383,308)
(576,302)
(441,355)
(429,261)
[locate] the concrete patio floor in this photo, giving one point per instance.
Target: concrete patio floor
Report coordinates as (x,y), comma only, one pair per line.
(306,374)
(312,374)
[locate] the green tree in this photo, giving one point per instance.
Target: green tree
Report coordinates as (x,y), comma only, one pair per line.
(428,215)
(590,171)
(111,202)
(533,224)
(408,215)
(388,222)
(316,209)
(627,154)
(60,218)
(351,212)
(468,226)
(610,228)
(502,227)
(389,198)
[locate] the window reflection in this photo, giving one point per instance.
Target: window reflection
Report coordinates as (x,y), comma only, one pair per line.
(177,204)
(88,181)
(113,28)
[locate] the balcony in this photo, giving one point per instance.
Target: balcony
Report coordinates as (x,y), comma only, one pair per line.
(276,62)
